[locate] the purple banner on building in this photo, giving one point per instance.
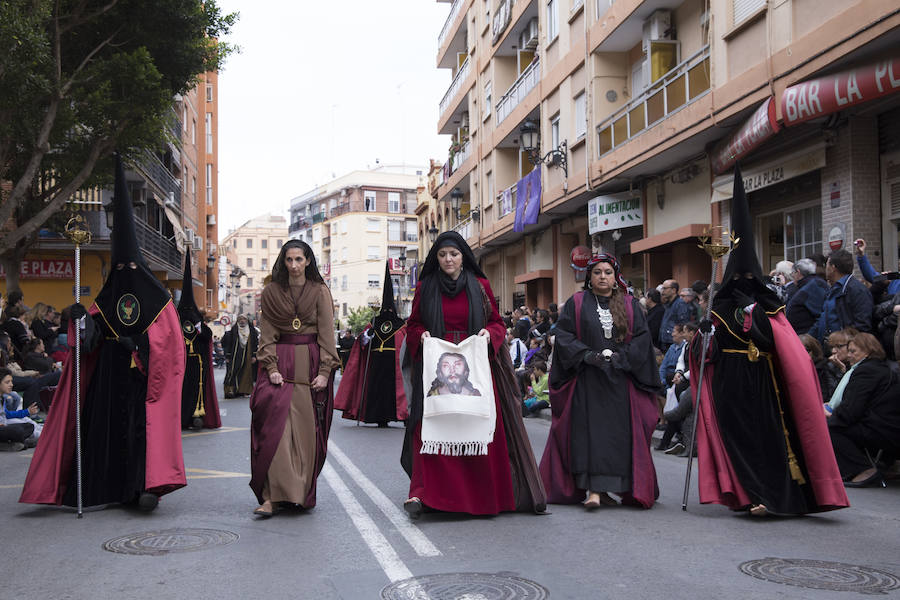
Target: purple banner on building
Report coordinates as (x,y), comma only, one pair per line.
(528,200)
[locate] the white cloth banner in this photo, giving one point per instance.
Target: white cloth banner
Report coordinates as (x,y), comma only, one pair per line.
(459,414)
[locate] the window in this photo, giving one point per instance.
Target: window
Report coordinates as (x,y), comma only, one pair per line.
(249,282)
(264,244)
(741,10)
(209,134)
(344,226)
(394,202)
(395,230)
(554,131)
(265,264)
(411,235)
(279,244)
(369,201)
(372,253)
(194,189)
(249,242)
(184,118)
(344,254)
(234,243)
(487,99)
(374,282)
(552,21)
(249,262)
(580,116)
(334,228)
(344,282)
(209,189)
(802,233)
(194,131)
(373,225)
(209,92)
(344,308)
(492,192)
(317,234)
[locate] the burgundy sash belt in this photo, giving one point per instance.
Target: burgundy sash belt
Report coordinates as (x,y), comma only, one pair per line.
(297,338)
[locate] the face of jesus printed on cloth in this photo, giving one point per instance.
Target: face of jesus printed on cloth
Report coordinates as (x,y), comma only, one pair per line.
(452,376)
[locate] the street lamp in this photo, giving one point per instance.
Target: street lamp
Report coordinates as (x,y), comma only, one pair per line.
(433,233)
(456,197)
(530,136)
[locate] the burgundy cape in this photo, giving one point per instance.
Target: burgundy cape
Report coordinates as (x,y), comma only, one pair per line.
(556,462)
(351,394)
(51,467)
(270,405)
(212,419)
(799,388)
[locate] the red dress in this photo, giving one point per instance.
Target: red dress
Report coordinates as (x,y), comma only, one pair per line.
(478,485)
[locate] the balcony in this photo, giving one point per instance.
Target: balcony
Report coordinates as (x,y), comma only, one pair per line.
(461,75)
(679,87)
(519,89)
(506,203)
(451,18)
(318,217)
(152,242)
(466,228)
(462,156)
(340,209)
(412,237)
(161,176)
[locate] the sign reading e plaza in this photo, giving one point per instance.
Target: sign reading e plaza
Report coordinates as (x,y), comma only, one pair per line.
(45,269)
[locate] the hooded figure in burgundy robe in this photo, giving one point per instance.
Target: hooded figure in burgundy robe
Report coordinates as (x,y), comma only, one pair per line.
(199,404)
(371,387)
(131,379)
(762,439)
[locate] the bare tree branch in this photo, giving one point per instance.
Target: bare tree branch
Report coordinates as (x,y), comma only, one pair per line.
(64,89)
(78,18)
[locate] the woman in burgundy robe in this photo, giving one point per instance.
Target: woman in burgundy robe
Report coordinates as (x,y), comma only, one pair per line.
(454,301)
(292,403)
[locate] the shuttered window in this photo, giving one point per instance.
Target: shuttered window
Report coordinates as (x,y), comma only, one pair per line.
(741,9)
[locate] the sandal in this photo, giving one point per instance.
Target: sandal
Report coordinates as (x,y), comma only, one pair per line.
(265,510)
(759,510)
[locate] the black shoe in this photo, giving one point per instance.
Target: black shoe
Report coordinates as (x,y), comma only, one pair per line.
(148,501)
(676,449)
(661,448)
(875,478)
(413,507)
(12,447)
(197,423)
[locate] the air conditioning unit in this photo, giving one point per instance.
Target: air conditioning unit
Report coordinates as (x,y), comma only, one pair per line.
(210,219)
(197,243)
(528,38)
(657,27)
(189,235)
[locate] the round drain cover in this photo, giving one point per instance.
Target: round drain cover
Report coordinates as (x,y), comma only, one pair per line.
(157,543)
(822,575)
(466,586)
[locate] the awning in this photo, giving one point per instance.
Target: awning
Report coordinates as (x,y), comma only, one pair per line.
(826,95)
(761,126)
(534,275)
(771,172)
(176,226)
(686,232)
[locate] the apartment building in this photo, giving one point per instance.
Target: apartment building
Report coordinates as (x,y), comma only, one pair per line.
(354,223)
(250,252)
(641,109)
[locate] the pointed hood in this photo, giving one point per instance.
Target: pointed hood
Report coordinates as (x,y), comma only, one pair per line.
(132,296)
(387,321)
(743,272)
(187,306)
(387,296)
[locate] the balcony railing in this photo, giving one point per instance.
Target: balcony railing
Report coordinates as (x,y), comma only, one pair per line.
(602,7)
(462,156)
(506,206)
(465,228)
(517,92)
(318,217)
(677,88)
(152,242)
(461,75)
(161,176)
(454,12)
(412,237)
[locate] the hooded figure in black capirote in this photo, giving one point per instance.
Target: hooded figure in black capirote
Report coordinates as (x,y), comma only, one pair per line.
(762,441)
(371,387)
(199,404)
(131,379)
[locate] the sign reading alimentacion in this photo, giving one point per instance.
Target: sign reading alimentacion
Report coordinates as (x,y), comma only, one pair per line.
(614,211)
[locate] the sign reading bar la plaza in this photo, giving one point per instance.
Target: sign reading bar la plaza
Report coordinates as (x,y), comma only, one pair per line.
(614,211)
(46,268)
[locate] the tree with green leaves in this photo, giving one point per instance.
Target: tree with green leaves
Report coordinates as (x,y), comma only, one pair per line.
(360,317)
(80,79)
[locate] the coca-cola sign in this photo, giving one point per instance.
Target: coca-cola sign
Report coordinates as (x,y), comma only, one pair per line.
(580,256)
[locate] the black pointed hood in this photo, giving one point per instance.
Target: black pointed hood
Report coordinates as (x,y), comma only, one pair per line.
(387,321)
(743,271)
(131,297)
(187,306)
(387,296)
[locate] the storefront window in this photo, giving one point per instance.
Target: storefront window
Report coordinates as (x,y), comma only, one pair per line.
(802,233)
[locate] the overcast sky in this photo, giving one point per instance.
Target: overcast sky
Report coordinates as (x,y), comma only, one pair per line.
(320,89)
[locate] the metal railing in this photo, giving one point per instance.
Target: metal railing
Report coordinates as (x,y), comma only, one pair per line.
(686,82)
(153,242)
(462,156)
(161,176)
(454,12)
(506,207)
(461,74)
(524,83)
(465,228)
(318,217)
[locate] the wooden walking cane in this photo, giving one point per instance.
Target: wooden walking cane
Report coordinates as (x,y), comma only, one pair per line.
(716,251)
(78,234)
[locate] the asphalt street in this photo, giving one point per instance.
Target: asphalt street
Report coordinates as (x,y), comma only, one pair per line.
(358,541)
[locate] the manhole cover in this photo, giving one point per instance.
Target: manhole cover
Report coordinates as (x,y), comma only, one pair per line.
(822,575)
(157,543)
(465,586)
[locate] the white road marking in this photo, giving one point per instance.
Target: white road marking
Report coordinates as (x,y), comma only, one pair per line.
(384,553)
(207,474)
(421,544)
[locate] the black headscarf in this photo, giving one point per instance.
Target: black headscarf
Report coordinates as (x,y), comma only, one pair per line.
(743,275)
(131,298)
(434,284)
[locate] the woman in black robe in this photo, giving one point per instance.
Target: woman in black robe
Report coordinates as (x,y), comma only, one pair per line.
(240,343)
(603,385)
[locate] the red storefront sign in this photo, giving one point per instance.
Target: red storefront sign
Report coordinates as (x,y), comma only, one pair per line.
(580,256)
(757,129)
(45,269)
(826,95)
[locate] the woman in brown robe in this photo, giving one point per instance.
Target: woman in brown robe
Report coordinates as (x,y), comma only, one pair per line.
(291,405)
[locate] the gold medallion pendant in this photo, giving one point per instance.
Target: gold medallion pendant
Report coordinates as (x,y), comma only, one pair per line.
(296,323)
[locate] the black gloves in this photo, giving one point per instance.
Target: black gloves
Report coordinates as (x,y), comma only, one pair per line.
(76,311)
(742,299)
(706,326)
(601,359)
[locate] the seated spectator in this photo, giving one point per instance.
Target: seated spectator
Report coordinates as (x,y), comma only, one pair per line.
(866,418)
(35,358)
(517,348)
(805,303)
(39,320)
(15,327)
(677,414)
(28,383)
(828,377)
(885,317)
(670,359)
(541,324)
(13,432)
(538,397)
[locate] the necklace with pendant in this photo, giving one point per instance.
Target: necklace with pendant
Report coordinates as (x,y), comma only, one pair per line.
(606,320)
(297,323)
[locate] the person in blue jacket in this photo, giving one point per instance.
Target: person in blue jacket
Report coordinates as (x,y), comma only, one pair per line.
(868,271)
(848,303)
